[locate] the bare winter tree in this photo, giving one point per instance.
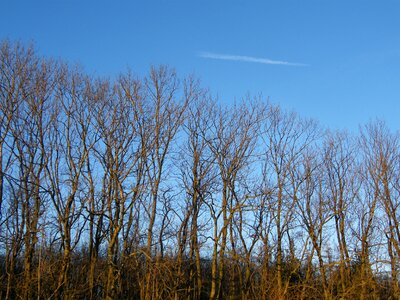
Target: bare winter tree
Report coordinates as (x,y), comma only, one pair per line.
(17,69)
(366,206)
(313,207)
(382,166)
(119,155)
(69,148)
(286,137)
(232,139)
(198,175)
(162,117)
(29,130)
(340,179)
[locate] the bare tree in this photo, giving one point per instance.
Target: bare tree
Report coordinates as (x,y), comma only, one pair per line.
(69,148)
(198,174)
(162,117)
(340,179)
(366,205)
(313,207)
(232,139)
(29,129)
(17,69)
(286,137)
(118,157)
(382,166)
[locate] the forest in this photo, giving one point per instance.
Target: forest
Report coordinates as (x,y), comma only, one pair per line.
(148,187)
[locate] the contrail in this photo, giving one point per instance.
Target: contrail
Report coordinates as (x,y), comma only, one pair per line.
(252,59)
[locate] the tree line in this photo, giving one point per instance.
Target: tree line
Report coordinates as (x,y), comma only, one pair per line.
(146,187)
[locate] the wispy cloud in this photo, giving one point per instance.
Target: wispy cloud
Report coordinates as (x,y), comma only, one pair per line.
(252,59)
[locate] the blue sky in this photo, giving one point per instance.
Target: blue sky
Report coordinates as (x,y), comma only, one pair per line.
(335,61)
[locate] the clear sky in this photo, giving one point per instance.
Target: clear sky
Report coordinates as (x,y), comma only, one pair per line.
(336,61)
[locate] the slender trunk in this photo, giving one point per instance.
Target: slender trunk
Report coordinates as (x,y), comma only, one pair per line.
(149,255)
(214,263)
(224,236)
(393,267)
(279,245)
(195,273)
(1,180)
(10,294)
